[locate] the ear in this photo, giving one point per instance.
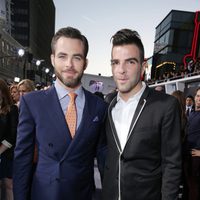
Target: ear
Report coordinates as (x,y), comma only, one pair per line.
(144,64)
(86,64)
(52,60)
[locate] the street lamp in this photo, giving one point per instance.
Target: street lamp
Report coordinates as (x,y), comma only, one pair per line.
(46,71)
(21,52)
(15,54)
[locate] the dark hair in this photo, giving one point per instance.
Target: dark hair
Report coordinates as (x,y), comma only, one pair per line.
(181,98)
(127,36)
(190,97)
(6,97)
(70,32)
(179,95)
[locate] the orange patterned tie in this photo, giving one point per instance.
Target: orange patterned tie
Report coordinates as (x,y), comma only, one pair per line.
(71,114)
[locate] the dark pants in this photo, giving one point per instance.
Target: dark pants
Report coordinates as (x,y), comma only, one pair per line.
(193,178)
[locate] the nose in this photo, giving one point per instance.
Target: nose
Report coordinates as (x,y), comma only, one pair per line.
(68,62)
(121,68)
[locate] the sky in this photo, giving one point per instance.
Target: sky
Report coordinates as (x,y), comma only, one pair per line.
(98,20)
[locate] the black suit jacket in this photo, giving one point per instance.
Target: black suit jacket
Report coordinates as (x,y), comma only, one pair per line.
(149,166)
(8,129)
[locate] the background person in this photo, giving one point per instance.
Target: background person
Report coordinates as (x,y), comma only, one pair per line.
(8,131)
(189,107)
(193,143)
(15,94)
(66,149)
(143,131)
(25,86)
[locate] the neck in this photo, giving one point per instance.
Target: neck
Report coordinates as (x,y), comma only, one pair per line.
(127,95)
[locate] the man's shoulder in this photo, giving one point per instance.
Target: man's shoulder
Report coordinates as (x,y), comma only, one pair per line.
(37,95)
(162,96)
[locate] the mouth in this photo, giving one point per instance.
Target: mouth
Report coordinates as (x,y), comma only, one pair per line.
(69,72)
(122,80)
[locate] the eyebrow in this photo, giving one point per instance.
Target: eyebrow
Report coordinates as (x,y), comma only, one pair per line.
(128,59)
(65,54)
(135,59)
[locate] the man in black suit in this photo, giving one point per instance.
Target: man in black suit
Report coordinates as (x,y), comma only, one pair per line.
(189,105)
(143,131)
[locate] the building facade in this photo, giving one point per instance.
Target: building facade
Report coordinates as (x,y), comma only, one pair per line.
(31,24)
(174,39)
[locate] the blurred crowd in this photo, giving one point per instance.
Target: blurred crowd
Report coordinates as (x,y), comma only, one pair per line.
(192,69)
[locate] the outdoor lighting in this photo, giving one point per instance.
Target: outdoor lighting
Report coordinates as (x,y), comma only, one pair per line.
(38,62)
(53,76)
(16,79)
(47,70)
(21,52)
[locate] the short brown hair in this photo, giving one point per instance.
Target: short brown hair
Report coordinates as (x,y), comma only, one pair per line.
(70,32)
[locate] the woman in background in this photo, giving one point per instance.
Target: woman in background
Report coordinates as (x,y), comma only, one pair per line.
(25,86)
(8,131)
(14,94)
(181,99)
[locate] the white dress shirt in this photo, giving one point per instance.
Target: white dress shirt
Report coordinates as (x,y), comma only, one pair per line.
(122,115)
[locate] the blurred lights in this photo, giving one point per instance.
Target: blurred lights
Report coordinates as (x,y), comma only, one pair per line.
(21,52)
(47,70)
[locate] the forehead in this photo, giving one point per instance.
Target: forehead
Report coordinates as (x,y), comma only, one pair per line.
(198,93)
(128,50)
(14,89)
(65,44)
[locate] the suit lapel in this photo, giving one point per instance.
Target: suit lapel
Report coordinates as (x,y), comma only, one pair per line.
(56,114)
(87,118)
(139,109)
(112,125)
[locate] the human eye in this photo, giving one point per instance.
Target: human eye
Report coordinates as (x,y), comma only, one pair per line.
(131,62)
(61,56)
(114,62)
(78,58)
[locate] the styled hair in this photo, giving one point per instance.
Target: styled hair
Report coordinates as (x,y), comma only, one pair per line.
(6,98)
(69,32)
(190,97)
(127,36)
(29,85)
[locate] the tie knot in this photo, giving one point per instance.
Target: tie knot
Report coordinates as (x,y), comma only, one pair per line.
(72,96)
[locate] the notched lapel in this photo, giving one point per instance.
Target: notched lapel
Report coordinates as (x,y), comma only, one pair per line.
(139,109)
(112,125)
(55,113)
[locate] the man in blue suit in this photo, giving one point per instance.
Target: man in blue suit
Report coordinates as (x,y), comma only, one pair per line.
(64,169)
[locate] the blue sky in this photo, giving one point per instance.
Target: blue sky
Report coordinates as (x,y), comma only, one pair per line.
(98,20)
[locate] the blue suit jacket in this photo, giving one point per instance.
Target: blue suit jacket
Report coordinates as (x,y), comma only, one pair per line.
(65,166)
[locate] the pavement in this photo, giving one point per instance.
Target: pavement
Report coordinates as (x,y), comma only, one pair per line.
(97,180)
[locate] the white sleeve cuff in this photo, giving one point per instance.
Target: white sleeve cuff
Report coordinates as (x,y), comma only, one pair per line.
(7,144)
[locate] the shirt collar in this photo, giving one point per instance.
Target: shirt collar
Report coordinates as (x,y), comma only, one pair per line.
(63,92)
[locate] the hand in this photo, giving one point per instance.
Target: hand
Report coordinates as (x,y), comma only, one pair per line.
(195,152)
